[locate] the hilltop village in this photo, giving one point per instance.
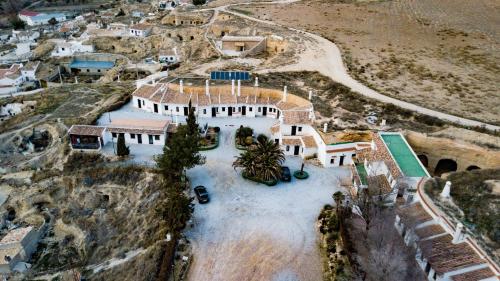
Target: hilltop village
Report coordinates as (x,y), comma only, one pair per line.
(185,140)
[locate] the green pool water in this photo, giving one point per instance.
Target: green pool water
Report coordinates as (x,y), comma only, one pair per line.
(362,173)
(402,153)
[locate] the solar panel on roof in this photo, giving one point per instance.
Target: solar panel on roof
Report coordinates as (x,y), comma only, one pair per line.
(229,75)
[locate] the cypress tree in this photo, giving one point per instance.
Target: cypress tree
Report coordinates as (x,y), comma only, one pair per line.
(121,148)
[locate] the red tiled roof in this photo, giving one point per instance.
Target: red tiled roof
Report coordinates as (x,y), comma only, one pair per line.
(475,275)
(86,130)
(28,13)
(445,256)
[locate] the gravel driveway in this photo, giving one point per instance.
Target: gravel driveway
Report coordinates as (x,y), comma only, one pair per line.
(251,231)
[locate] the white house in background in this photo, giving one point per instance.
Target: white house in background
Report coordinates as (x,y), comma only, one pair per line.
(17,247)
(28,71)
(34,18)
(140,30)
(24,36)
(167,5)
(169,57)
(11,79)
(69,48)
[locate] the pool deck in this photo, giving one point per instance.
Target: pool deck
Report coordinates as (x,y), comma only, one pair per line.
(403,155)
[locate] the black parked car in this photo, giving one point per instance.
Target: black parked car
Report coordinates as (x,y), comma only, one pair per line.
(202,194)
(285,174)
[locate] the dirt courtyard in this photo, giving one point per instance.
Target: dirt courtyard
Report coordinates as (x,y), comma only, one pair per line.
(251,231)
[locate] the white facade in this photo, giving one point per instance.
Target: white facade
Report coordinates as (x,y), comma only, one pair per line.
(65,49)
(139,32)
(42,18)
(138,138)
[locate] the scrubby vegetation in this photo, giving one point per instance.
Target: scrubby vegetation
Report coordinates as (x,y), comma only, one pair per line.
(476,193)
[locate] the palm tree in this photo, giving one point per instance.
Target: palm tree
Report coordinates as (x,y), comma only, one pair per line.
(262,161)
(338,197)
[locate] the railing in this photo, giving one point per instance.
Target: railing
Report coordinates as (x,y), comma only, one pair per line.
(85,145)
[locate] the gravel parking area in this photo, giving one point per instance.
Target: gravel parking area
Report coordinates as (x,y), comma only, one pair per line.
(250,231)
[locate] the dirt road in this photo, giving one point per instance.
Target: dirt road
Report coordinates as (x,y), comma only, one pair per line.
(324,56)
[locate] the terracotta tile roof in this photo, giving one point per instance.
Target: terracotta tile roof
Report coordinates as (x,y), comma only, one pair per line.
(291,141)
(428,231)
(378,184)
(296,117)
(275,128)
(381,153)
(413,214)
(224,99)
(140,26)
(86,130)
(12,72)
(475,275)
(444,256)
(28,13)
(309,141)
(16,235)
(138,126)
(203,100)
(147,90)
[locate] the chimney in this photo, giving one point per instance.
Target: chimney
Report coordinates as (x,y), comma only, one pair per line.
(239,88)
(284,93)
(325,127)
(232,87)
(207,89)
(181,87)
(446,190)
(310,94)
(459,234)
(256,81)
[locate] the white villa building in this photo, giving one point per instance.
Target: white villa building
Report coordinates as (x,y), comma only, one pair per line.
(294,129)
(12,78)
(34,18)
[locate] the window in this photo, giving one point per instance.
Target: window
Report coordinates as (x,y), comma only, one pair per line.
(250,108)
(204,111)
(166,107)
(143,102)
(177,108)
(132,136)
(300,129)
(223,109)
(287,148)
(98,70)
(332,160)
(258,109)
(62,49)
(113,135)
(157,137)
(88,70)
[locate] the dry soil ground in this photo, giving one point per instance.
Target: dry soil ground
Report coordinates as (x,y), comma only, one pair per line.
(439,54)
(251,231)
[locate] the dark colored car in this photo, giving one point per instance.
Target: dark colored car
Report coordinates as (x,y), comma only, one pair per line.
(202,194)
(285,174)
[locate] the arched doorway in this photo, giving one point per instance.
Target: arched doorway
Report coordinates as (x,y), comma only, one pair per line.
(445,166)
(423,158)
(472,167)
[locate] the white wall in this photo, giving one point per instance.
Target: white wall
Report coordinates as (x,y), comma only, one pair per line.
(145,139)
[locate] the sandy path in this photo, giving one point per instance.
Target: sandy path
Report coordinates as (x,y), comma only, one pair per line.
(324,56)
(256,232)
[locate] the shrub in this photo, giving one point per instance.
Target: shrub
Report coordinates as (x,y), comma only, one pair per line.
(216,129)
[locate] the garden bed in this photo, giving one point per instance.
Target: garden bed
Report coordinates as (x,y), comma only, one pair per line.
(268,183)
(211,140)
